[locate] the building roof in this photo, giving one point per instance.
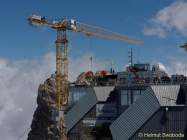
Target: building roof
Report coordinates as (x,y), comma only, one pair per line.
(125,126)
(86,103)
(80,109)
(103,92)
(166,94)
(132,118)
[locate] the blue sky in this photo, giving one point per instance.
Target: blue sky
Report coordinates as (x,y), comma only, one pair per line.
(129,17)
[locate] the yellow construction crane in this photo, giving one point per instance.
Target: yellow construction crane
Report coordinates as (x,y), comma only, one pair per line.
(61,26)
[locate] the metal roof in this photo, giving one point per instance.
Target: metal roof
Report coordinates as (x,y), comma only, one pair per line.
(78,111)
(86,103)
(166,94)
(134,117)
(103,92)
(125,126)
(76,93)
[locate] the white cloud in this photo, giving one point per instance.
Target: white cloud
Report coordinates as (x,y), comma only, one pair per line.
(177,67)
(19,84)
(156,30)
(170,18)
(162,66)
(174,67)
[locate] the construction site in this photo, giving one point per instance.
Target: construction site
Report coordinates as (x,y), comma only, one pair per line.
(141,102)
(93,70)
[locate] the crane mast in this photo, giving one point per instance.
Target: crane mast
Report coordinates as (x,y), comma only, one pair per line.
(61,68)
(61,78)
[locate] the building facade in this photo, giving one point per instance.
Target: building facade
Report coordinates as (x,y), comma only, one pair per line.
(129,111)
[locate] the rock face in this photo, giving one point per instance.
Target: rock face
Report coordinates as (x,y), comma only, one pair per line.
(43,125)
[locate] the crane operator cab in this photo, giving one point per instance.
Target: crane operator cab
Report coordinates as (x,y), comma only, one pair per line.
(72,25)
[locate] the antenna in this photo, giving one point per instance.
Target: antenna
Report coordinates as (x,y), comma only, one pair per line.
(111,67)
(91,62)
(185,69)
(138,55)
(131,57)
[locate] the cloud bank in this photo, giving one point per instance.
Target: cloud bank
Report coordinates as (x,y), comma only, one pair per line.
(170,18)
(177,67)
(19,81)
(174,67)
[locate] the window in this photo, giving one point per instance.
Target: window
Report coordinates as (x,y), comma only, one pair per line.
(106,110)
(76,94)
(129,96)
(125,97)
(136,95)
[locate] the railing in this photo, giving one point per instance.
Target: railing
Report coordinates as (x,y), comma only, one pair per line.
(134,83)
